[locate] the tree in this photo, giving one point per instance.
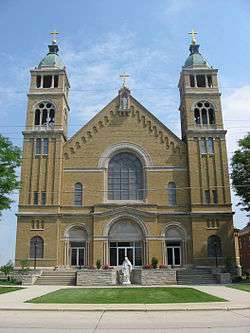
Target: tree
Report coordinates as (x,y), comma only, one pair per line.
(10,159)
(7,269)
(241,172)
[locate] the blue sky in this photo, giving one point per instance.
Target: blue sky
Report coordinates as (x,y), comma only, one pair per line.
(100,39)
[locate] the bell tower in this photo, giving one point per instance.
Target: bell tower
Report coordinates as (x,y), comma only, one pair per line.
(204,134)
(45,131)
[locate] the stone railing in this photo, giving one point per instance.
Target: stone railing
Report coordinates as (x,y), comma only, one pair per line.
(149,277)
(95,277)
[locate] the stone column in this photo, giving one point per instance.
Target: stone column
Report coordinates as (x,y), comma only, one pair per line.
(164,251)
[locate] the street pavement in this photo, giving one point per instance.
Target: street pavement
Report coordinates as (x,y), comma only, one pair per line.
(125,322)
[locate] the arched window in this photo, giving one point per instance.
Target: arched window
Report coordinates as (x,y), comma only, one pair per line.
(214,246)
(125,178)
(204,113)
(36,247)
(78,194)
(44,114)
(171,194)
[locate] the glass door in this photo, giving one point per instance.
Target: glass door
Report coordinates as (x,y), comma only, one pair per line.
(77,256)
(120,250)
(174,255)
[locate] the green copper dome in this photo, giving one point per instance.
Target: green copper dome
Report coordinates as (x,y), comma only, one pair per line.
(195,58)
(52,59)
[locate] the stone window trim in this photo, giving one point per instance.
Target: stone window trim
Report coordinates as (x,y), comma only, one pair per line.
(44,115)
(204,113)
(129,147)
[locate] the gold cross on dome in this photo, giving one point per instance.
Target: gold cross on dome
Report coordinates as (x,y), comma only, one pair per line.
(53,36)
(193,33)
(124,77)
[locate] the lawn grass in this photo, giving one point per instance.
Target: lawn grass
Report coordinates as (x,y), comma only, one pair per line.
(240,286)
(8,289)
(126,295)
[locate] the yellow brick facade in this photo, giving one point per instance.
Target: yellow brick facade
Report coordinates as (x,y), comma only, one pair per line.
(85,158)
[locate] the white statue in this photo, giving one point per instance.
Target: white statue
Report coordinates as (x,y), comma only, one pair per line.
(124,102)
(126,271)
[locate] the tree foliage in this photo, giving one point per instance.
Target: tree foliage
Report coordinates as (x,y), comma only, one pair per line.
(10,159)
(7,269)
(241,172)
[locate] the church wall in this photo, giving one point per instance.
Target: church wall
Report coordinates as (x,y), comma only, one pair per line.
(201,232)
(49,235)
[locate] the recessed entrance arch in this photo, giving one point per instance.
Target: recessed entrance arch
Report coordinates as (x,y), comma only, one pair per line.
(126,239)
(175,246)
(76,246)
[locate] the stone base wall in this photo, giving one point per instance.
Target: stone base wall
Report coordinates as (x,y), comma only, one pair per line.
(223,278)
(148,277)
(96,277)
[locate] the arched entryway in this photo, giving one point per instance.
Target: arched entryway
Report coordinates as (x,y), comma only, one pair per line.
(175,245)
(76,246)
(126,238)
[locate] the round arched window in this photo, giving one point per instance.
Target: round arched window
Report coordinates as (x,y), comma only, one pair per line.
(204,113)
(45,114)
(125,177)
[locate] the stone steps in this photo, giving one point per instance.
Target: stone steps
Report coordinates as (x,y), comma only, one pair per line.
(57,278)
(195,276)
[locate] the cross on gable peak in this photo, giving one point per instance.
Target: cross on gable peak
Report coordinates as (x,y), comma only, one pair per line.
(124,77)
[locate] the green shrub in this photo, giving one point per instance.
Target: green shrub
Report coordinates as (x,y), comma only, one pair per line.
(98,264)
(154,262)
(7,269)
(25,265)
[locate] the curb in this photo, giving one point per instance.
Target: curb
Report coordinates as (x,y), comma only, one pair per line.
(146,309)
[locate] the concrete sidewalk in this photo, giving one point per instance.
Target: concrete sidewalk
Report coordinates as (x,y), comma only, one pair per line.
(15,300)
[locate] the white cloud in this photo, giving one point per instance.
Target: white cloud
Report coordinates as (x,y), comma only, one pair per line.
(94,70)
(236,112)
(177,6)
(236,107)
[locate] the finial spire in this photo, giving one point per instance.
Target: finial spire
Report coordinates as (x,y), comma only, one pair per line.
(193,33)
(53,36)
(124,77)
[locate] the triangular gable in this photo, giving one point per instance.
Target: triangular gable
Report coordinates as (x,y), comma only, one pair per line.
(153,126)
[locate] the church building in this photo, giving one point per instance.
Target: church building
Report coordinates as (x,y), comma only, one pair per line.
(124,184)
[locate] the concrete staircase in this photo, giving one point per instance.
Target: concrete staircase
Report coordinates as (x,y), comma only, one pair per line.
(195,276)
(59,278)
